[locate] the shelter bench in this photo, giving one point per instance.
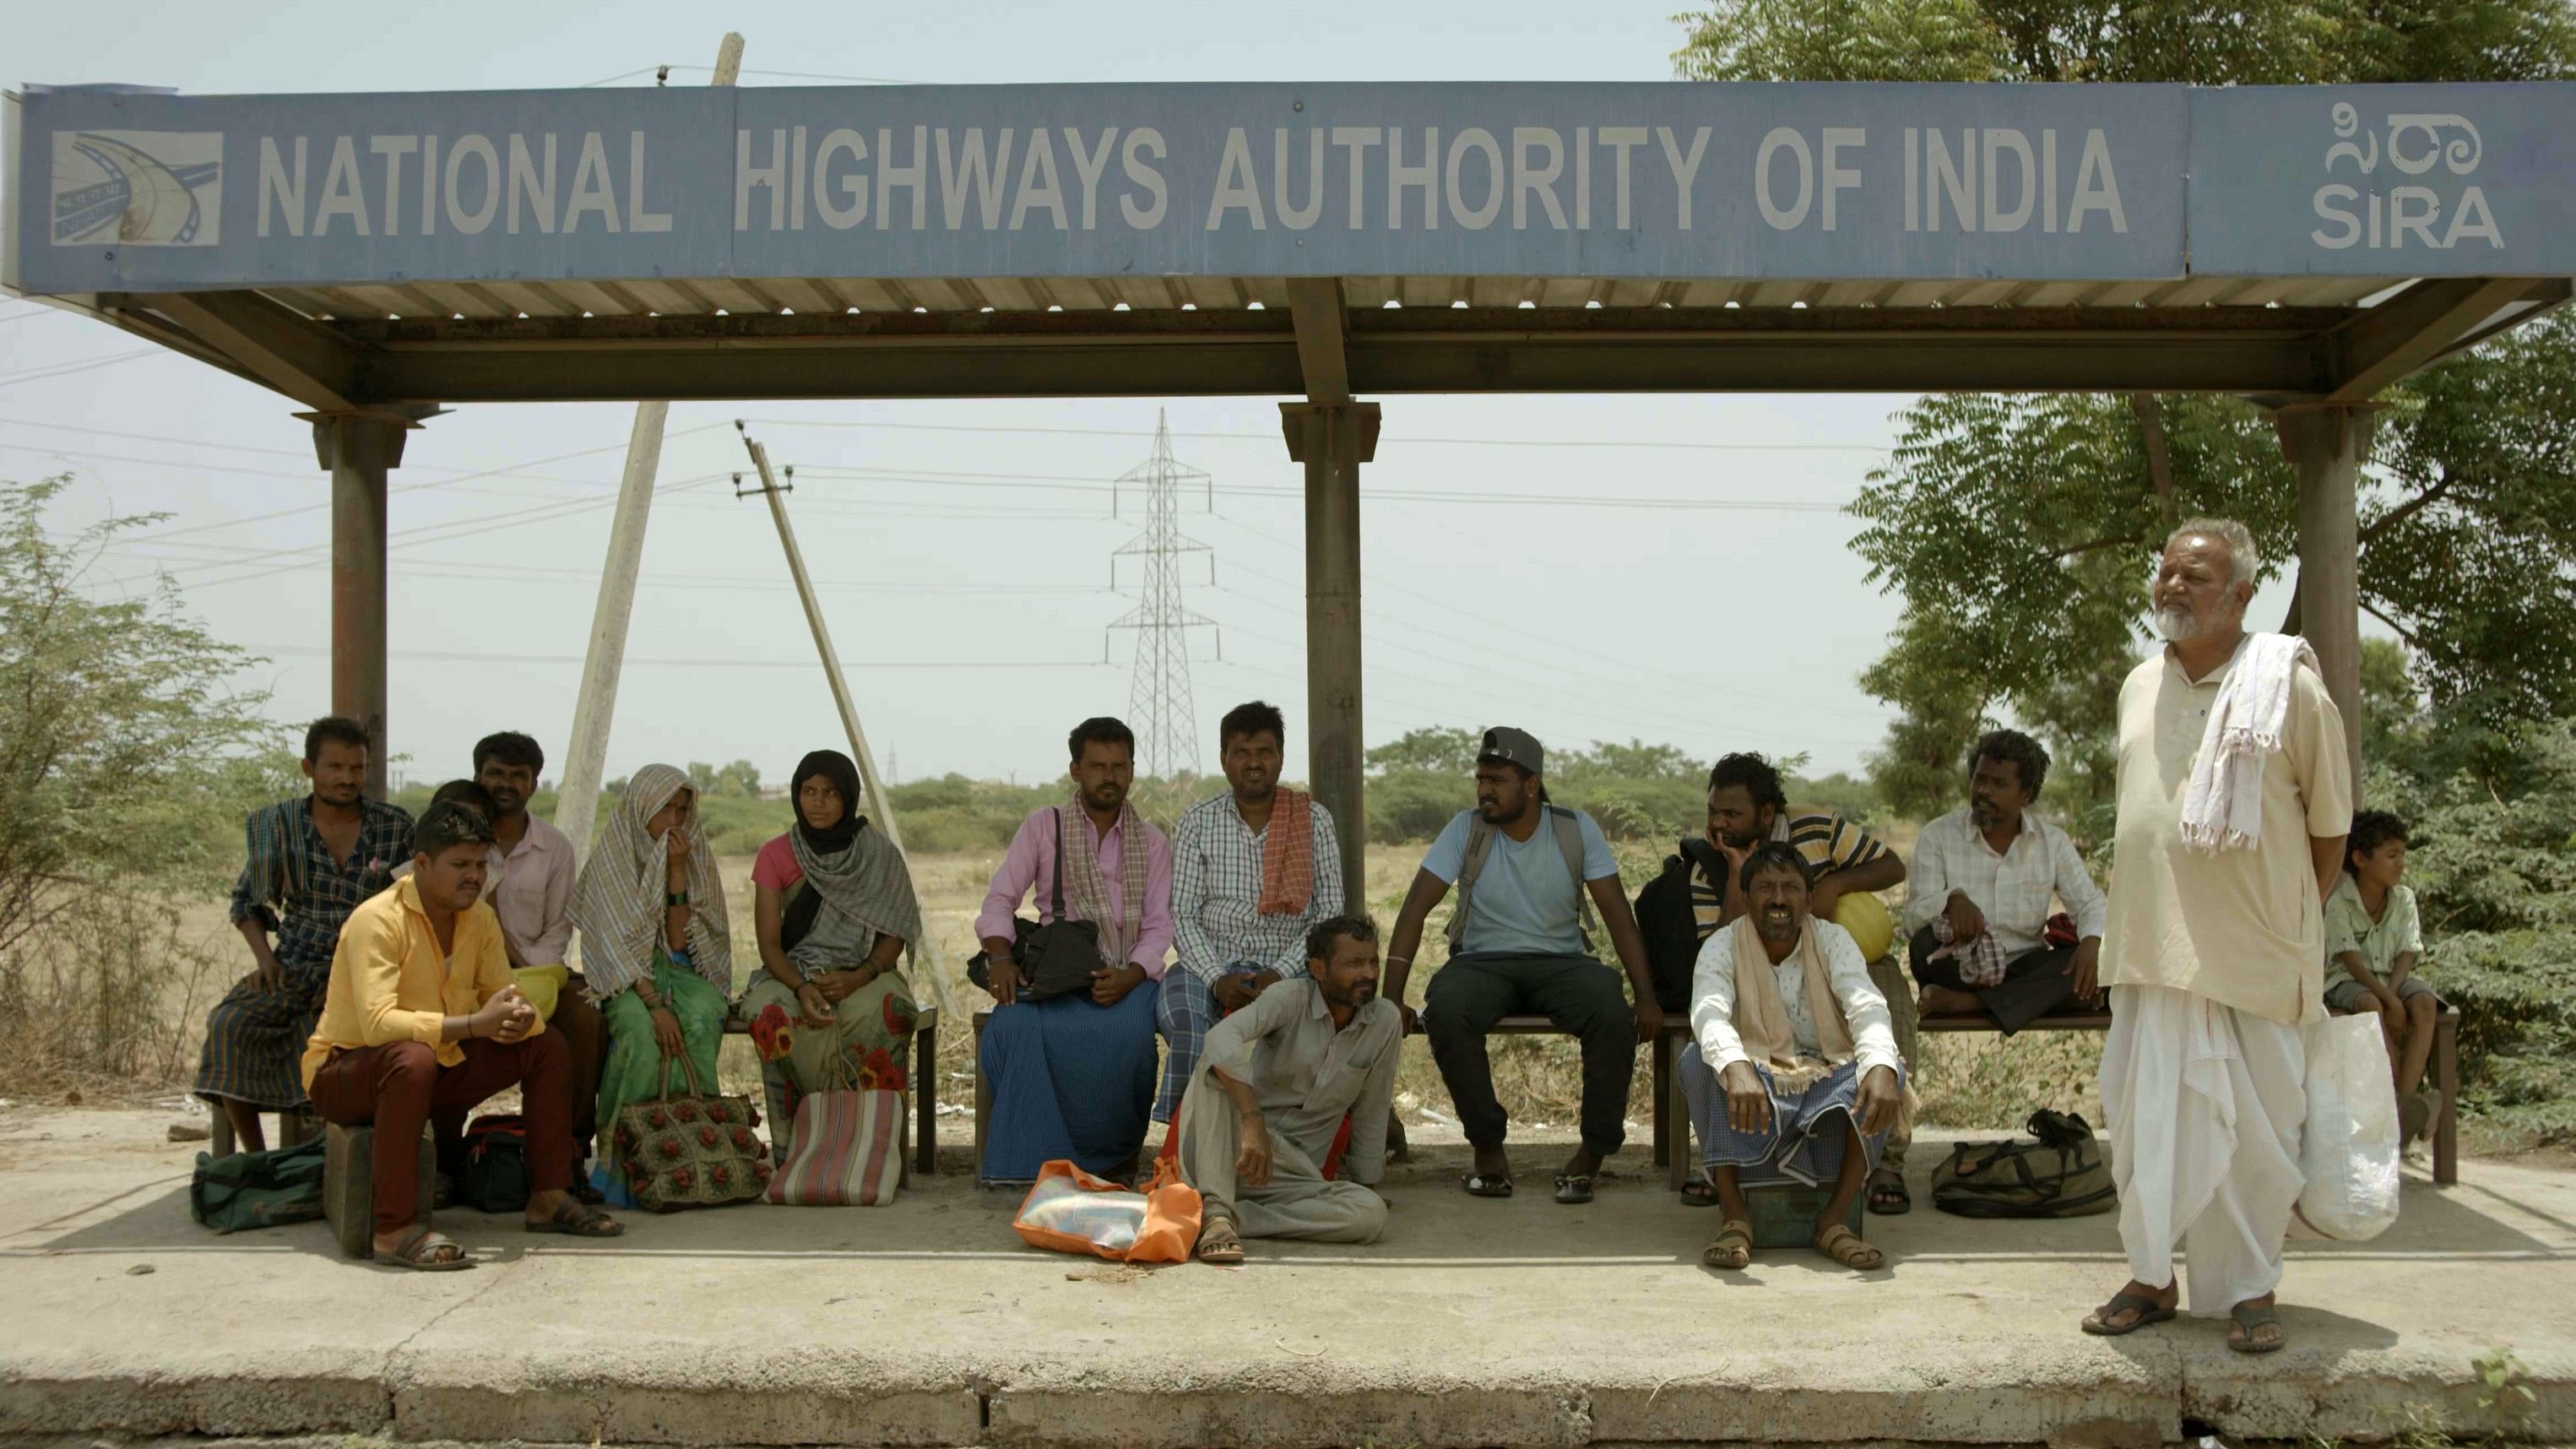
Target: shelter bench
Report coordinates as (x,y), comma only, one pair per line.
(2446,1077)
(294,1127)
(2446,1066)
(1671,1118)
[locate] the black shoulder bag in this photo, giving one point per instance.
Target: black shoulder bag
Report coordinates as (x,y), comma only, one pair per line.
(1055,958)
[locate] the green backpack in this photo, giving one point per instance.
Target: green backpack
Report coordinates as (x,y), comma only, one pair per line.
(257,1189)
(2061,1175)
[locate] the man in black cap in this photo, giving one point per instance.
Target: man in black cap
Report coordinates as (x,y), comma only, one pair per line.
(1519,941)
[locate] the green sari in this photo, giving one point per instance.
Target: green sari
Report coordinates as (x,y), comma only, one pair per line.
(633,1071)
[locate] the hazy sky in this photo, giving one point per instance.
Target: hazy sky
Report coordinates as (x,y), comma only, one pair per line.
(964,548)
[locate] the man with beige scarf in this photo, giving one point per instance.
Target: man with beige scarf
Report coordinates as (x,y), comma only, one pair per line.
(1793,1068)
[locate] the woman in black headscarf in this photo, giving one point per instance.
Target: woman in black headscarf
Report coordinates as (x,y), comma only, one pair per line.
(835,912)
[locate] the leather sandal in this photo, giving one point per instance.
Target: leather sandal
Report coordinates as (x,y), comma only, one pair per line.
(1219,1244)
(1733,1250)
(1573,1187)
(1887,1195)
(1479,1185)
(419,1251)
(573,1219)
(2148,1311)
(1849,1249)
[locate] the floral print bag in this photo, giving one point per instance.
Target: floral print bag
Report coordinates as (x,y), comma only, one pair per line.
(692,1151)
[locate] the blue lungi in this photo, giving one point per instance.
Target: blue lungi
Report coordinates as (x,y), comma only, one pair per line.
(1805,1140)
(1069,1079)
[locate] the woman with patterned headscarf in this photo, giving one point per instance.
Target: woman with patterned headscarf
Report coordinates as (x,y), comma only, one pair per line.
(835,910)
(650,910)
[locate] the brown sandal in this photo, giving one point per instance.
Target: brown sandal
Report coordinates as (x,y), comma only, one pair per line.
(573,1219)
(1733,1250)
(419,1251)
(1219,1245)
(1846,1247)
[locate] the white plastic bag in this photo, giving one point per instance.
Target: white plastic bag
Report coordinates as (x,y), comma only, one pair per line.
(2349,1152)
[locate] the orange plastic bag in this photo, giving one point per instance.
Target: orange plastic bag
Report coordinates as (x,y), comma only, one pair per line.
(1071,1211)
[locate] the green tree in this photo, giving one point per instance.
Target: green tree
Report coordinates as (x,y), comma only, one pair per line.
(120,749)
(2018,530)
(1450,750)
(737,781)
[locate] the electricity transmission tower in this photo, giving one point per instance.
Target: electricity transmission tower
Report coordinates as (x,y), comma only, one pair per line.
(1158,705)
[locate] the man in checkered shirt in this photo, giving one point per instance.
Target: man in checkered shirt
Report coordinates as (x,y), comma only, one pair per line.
(1253,870)
(1978,907)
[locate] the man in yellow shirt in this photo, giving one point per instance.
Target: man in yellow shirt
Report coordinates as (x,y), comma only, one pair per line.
(421,1017)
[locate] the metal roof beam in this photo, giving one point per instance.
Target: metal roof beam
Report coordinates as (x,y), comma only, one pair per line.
(303,359)
(2413,328)
(2275,351)
(1323,337)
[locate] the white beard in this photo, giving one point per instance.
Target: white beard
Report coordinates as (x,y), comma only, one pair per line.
(2175,624)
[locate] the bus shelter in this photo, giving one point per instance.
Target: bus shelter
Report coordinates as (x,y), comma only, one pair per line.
(375,258)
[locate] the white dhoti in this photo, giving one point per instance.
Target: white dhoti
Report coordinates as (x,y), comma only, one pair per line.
(2204,1105)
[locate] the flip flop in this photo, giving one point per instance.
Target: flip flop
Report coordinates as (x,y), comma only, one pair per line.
(1479,1185)
(2149,1312)
(1733,1250)
(1696,1193)
(413,1252)
(1573,1187)
(2251,1316)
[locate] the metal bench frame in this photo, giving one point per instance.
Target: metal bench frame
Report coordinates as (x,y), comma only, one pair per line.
(1671,1114)
(2446,1066)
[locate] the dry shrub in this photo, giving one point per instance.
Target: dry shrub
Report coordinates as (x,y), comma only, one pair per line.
(1983,1083)
(107,1000)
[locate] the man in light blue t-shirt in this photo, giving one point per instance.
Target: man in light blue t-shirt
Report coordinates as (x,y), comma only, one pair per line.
(1518,943)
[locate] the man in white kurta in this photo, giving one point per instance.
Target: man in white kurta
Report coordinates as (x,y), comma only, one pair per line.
(2215,956)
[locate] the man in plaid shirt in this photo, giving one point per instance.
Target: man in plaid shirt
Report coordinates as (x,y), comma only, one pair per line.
(1253,870)
(1978,908)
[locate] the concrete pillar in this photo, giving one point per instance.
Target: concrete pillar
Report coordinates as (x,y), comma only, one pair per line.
(359,449)
(1333,440)
(2327,446)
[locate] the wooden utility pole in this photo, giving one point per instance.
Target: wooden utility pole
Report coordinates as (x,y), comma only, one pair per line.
(595,708)
(880,809)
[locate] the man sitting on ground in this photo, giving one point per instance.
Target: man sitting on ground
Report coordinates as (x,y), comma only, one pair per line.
(1978,908)
(1245,895)
(1793,1068)
(1277,1080)
(421,1017)
(2375,937)
(1517,943)
(1747,806)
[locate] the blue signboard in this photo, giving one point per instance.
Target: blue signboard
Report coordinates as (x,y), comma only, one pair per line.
(130,191)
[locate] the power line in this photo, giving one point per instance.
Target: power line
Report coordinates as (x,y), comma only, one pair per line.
(39,374)
(468,656)
(1273,438)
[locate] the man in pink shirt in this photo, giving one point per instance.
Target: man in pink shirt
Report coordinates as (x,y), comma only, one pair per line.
(1071,1071)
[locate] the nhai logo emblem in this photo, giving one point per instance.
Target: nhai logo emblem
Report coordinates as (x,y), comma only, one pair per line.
(138,188)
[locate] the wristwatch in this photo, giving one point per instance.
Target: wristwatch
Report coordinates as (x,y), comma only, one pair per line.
(675,898)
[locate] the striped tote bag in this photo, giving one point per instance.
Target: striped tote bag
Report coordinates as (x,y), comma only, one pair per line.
(846,1150)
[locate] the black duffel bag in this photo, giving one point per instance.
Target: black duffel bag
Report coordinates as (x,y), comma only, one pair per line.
(2062,1175)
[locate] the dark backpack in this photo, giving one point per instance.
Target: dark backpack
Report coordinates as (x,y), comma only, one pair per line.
(257,1189)
(496,1165)
(1670,925)
(2061,1175)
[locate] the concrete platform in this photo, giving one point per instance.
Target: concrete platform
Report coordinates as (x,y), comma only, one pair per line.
(1474,1323)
